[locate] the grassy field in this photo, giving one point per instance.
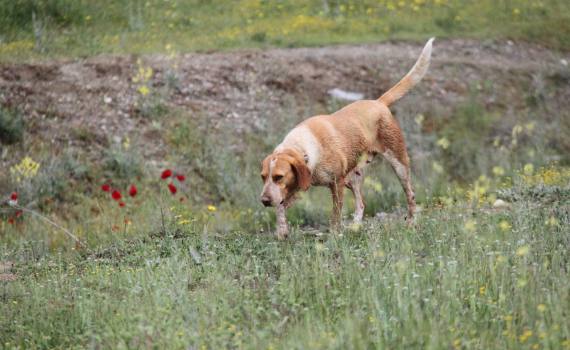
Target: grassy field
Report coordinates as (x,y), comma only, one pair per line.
(84,28)
(465,277)
(186,260)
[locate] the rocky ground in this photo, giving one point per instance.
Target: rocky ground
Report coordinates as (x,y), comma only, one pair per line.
(94,100)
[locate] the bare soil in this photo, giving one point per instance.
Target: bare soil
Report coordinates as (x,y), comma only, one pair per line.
(93,101)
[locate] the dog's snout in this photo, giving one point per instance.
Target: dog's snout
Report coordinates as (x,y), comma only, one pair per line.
(266,201)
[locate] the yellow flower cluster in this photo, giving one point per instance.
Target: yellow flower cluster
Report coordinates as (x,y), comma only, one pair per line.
(551,175)
(26,169)
(144,74)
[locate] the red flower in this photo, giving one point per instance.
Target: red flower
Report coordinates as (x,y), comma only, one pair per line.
(11,221)
(172,188)
(14,196)
(116,195)
(133,191)
(122,204)
(166,174)
(180,177)
(18,213)
(106,188)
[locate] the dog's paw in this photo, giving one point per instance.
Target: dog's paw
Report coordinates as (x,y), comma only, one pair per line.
(282,234)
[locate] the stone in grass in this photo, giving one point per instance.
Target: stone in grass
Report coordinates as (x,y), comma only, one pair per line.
(500,204)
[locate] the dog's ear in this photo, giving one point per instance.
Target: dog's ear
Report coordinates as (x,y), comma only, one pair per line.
(302,172)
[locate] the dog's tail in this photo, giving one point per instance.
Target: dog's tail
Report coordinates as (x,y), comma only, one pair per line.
(412,78)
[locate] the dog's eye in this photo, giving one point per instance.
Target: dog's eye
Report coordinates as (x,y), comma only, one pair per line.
(263,177)
(277,178)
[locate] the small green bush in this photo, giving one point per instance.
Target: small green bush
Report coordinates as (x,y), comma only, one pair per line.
(11,126)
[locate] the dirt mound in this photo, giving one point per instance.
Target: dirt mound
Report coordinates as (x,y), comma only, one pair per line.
(244,88)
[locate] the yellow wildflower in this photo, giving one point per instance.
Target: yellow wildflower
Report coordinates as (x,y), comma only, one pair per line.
(498,171)
(27,168)
(212,208)
(551,221)
(504,225)
(528,169)
(522,251)
(524,337)
(443,143)
(541,307)
(144,90)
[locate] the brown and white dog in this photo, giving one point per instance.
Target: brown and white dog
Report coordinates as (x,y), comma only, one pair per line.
(331,150)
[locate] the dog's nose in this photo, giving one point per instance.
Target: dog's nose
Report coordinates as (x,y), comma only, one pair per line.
(266,201)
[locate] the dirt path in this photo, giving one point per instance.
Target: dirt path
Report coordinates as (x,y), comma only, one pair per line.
(243,88)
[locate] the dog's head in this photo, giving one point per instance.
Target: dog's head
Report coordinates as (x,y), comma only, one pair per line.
(283,174)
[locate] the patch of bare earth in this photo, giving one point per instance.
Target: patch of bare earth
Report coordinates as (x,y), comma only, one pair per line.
(242,89)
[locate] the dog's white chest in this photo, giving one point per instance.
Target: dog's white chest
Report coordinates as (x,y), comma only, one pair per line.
(302,138)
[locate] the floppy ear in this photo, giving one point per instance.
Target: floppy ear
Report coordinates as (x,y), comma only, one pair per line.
(302,172)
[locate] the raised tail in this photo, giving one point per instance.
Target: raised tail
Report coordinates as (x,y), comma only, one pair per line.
(411,79)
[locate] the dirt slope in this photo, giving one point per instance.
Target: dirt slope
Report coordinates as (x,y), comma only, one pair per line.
(244,88)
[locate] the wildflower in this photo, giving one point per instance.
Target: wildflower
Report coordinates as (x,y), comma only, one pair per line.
(166,174)
(11,221)
(526,334)
(14,196)
(133,191)
(482,290)
(212,208)
(143,90)
(516,12)
(419,119)
(528,169)
(172,188)
(116,195)
(26,169)
(106,188)
(541,307)
(522,251)
(551,221)
(443,143)
(498,171)
(504,225)
(122,204)
(180,177)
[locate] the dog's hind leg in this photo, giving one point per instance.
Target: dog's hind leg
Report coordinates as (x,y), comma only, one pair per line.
(400,163)
(354,184)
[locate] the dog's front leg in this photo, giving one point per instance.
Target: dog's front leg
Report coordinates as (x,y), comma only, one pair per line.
(282,227)
(337,190)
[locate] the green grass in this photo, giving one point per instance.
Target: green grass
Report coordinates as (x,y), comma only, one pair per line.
(81,27)
(439,285)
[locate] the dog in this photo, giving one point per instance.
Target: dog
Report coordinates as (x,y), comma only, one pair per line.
(332,150)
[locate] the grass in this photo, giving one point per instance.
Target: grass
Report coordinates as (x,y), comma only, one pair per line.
(459,279)
(79,27)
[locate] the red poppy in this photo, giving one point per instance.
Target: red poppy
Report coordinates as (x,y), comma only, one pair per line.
(106,188)
(116,195)
(133,191)
(11,221)
(166,174)
(172,188)
(122,204)
(14,196)
(18,213)
(180,177)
